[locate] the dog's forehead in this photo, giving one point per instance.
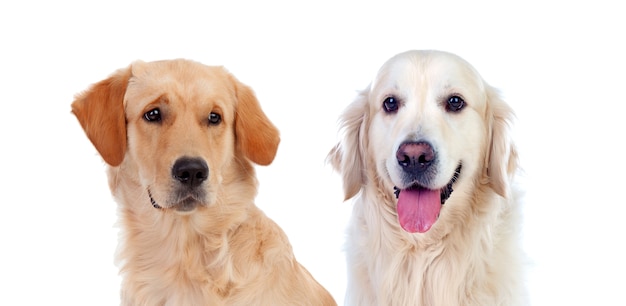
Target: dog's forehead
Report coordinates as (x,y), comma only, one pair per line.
(427,76)
(180,80)
(430,69)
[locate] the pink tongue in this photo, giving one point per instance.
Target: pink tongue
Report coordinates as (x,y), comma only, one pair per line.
(418,209)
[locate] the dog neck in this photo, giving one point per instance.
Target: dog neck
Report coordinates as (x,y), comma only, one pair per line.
(189,246)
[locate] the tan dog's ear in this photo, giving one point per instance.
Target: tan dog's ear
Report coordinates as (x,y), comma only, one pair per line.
(100,111)
(257,137)
(502,157)
(347,156)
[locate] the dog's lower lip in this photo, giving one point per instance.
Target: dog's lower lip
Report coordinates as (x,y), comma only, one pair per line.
(154,203)
(446,191)
(187,204)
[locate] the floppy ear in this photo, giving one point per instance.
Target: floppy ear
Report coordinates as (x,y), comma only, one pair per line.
(502,160)
(347,156)
(100,111)
(257,137)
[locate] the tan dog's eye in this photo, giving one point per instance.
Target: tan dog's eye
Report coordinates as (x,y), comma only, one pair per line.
(153,115)
(455,104)
(390,105)
(214,118)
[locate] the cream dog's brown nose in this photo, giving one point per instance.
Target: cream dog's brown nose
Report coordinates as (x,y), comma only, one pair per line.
(415,157)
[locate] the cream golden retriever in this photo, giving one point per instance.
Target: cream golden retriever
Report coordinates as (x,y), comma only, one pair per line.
(180,138)
(426,153)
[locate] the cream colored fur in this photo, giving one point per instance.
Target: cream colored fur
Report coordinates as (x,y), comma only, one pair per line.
(220,249)
(471,255)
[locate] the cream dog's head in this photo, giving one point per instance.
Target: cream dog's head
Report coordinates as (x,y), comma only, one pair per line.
(429,127)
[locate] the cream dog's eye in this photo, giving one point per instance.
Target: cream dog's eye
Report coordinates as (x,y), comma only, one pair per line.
(153,115)
(455,104)
(390,105)
(214,118)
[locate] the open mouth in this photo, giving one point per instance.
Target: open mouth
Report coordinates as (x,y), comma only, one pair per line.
(418,207)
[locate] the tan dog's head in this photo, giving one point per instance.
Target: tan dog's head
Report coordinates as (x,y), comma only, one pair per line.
(427,125)
(177,129)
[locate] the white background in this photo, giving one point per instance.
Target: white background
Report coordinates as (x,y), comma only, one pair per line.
(559,64)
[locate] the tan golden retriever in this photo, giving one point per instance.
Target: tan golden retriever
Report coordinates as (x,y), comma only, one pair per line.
(180,138)
(426,153)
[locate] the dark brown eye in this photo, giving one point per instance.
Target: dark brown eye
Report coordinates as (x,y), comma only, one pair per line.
(214,118)
(390,105)
(153,115)
(455,104)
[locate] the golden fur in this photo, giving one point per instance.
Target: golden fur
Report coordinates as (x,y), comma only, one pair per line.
(199,245)
(470,255)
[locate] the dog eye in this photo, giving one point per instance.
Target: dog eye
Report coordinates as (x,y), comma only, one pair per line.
(214,118)
(153,115)
(390,105)
(455,104)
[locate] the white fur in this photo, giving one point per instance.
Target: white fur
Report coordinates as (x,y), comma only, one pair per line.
(471,255)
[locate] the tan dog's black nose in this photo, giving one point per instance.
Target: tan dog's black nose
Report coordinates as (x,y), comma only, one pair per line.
(415,157)
(190,171)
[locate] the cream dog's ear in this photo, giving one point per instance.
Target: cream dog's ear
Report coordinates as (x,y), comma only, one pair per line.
(257,137)
(100,111)
(501,160)
(347,156)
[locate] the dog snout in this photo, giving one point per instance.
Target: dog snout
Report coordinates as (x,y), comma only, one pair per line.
(415,157)
(190,171)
